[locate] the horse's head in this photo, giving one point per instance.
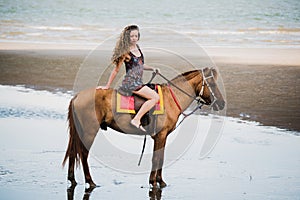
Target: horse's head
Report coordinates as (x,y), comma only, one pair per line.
(208,90)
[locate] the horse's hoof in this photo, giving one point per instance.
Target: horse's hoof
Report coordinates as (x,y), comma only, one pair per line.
(90,189)
(71,188)
(92,185)
(162,184)
(73,183)
(153,185)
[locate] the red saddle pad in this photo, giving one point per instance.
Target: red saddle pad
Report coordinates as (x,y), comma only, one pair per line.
(125,104)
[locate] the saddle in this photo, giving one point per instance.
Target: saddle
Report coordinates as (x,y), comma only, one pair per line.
(132,104)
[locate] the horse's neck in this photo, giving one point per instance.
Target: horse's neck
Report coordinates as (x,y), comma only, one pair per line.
(187,86)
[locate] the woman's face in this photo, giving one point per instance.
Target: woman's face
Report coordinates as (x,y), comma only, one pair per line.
(134,37)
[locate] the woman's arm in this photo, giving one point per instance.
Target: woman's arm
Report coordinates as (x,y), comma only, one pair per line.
(112,76)
(147,67)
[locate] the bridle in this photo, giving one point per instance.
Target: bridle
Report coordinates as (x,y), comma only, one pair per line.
(209,87)
(198,98)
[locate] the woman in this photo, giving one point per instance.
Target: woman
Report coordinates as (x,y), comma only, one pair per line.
(127,50)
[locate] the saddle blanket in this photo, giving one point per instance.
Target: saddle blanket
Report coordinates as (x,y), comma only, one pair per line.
(125,104)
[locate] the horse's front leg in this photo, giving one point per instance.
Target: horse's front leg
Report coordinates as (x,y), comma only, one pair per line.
(159,178)
(158,160)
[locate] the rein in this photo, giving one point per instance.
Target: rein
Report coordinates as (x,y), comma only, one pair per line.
(181,90)
(198,99)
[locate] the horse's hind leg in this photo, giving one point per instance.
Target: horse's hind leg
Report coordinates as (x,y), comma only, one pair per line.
(71,175)
(85,165)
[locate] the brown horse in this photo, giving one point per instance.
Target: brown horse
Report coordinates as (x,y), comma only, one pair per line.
(91,109)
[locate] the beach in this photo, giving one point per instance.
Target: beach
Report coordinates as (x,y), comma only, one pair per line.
(255,155)
(261,84)
(52,49)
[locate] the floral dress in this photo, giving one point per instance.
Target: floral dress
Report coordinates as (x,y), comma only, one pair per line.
(133,79)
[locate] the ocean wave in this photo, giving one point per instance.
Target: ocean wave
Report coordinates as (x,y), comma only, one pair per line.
(56,28)
(93,33)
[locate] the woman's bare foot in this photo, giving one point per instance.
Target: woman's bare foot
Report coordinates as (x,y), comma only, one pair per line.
(137,124)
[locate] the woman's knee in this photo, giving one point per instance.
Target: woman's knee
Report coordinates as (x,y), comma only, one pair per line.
(156,98)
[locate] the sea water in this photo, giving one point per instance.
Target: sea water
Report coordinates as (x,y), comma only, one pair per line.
(210,23)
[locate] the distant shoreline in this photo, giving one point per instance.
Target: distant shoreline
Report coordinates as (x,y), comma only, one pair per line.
(261,84)
(230,55)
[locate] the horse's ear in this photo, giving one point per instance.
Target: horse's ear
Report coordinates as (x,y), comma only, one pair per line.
(215,73)
(206,71)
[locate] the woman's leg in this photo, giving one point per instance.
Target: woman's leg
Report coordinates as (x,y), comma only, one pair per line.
(152,97)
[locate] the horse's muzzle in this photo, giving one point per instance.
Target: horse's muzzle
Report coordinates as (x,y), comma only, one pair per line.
(218,105)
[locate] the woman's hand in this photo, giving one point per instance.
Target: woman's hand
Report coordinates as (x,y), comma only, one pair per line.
(156,70)
(102,87)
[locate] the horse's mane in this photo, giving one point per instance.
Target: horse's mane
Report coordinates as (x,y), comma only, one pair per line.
(192,74)
(187,75)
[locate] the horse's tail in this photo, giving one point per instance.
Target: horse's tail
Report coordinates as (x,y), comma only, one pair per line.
(75,146)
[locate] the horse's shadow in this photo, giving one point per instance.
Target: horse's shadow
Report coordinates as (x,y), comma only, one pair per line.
(154,193)
(86,196)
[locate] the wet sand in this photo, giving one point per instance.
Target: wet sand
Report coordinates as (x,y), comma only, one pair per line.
(256,163)
(261,84)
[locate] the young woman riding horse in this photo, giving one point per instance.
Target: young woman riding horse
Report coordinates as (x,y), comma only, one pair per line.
(92,109)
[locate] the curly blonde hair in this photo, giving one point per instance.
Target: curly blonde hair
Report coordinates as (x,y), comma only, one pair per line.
(122,47)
